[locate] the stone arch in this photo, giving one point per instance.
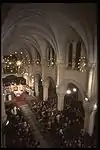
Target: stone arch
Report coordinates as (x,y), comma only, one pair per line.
(38,74)
(73,103)
(42,27)
(49,78)
(49,81)
(24,41)
(63,87)
(38,87)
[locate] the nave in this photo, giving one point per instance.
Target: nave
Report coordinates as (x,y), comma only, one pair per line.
(58,129)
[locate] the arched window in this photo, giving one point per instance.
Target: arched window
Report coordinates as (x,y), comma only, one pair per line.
(78,54)
(70,55)
(38,58)
(50,56)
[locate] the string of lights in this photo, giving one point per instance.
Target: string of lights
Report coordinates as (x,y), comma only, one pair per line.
(82,65)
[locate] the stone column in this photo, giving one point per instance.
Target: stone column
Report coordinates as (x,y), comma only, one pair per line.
(60,101)
(90,81)
(88,107)
(91,123)
(60,69)
(45,90)
(36,86)
(86,121)
(3,113)
(94,85)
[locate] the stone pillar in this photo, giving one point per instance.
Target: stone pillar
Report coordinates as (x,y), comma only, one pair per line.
(3,113)
(94,85)
(45,90)
(36,86)
(88,107)
(60,69)
(91,123)
(60,101)
(86,121)
(90,81)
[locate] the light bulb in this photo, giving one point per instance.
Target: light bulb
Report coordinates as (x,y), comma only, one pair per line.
(68,91)
(86,99)
(74,89)
(56,86)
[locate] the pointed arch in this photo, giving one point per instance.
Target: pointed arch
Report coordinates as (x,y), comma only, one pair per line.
(70,55)
(78,54)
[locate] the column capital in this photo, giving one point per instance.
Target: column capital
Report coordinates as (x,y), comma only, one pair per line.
(61,94)
(89,106)
(92,65)
(60,64)
(45,84)
(36,79)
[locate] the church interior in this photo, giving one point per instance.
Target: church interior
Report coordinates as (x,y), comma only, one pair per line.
(49,75)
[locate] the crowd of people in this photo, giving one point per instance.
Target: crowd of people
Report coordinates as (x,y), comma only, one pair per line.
(17,130)
(65,127)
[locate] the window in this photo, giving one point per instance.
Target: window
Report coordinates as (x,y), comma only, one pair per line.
(50,56)
(38,58)
(78,54)
(70,55)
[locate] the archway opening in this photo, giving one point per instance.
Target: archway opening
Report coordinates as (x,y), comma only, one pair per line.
(40,86)
(73,107)
(52,96)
